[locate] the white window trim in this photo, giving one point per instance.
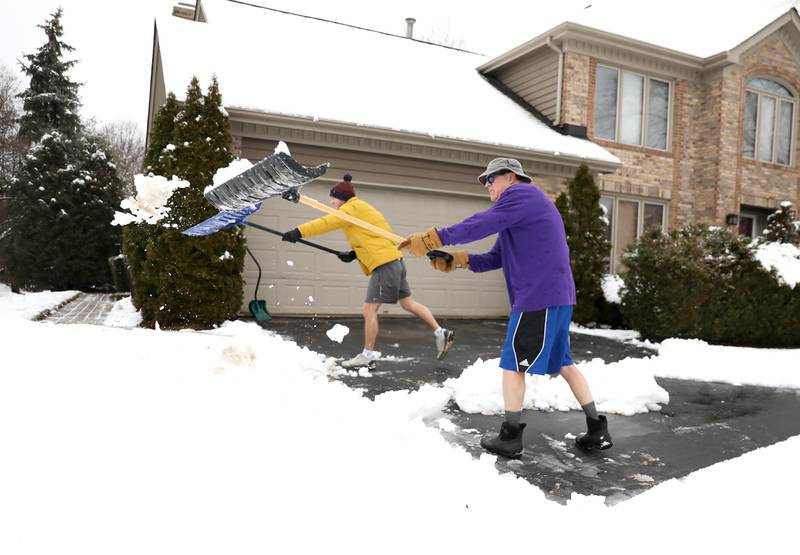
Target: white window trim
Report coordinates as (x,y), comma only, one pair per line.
(645,108)
(639,220)
(792,133)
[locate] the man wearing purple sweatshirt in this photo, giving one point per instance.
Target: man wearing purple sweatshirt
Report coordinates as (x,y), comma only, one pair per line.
(531,248)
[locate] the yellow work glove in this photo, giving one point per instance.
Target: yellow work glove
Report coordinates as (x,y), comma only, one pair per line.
(460,260)
(420,243)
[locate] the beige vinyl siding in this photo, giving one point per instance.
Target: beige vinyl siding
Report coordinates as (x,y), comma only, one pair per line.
(534,77)
(412,194)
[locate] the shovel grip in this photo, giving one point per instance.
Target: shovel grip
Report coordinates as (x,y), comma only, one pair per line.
(440,254)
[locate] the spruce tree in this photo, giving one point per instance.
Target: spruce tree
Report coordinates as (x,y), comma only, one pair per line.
(65,191)
(587,238)
(192,280)
(138,238)
(782,226)
(51,100)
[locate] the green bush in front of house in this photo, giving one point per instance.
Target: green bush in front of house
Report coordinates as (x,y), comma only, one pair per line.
(587,238)
(705,283)
(179,280)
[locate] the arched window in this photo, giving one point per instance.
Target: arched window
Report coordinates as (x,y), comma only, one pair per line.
(769,112)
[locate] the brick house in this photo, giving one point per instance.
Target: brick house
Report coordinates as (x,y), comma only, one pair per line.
(672,138)
(706,140)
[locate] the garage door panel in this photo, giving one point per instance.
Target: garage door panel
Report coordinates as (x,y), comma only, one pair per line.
(329,264)
(340,288)
(337,296)
(295,261)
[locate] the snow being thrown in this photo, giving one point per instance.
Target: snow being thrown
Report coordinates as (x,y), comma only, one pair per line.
(149,204)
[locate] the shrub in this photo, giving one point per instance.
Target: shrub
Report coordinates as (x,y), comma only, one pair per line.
(587,238)
(705,283)
(180,280)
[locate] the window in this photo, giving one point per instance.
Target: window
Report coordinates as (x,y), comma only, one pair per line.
(769,109)
(627,220)
(641,102)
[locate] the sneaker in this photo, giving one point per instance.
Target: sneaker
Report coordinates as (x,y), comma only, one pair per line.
(359,361)
(443,343)
(507,443)
(597,437)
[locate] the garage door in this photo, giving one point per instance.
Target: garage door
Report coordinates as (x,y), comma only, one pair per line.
(297,279)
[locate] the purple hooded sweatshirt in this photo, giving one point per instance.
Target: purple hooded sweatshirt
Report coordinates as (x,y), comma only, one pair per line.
(531,247)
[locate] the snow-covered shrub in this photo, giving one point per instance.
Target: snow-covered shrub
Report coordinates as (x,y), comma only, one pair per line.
(782,227)
(706,283)
(179,280)
(587,238)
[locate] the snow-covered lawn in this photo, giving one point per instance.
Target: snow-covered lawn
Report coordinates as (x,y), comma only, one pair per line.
(236,441)
(30,305)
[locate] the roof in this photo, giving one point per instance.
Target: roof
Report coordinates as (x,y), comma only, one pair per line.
(706,33)
(279,63)
(704,30)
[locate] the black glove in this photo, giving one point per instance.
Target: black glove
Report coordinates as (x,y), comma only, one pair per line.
(292,236)
(347,256)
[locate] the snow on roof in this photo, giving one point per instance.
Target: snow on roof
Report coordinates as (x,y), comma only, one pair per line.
(697,28)
(291,65)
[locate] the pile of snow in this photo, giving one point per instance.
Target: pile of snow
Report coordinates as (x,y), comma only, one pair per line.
(282,147)
(612,285)
(693,359)
(123,315)
(29,305)
(784,258)
(337,332)
(617,388)
(427,402)
(149,203)
(229,172)
(626,336)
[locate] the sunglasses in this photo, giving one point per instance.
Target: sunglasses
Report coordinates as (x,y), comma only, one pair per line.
(491,176)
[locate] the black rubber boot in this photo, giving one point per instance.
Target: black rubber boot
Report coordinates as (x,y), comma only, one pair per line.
(597,437)
(507,443)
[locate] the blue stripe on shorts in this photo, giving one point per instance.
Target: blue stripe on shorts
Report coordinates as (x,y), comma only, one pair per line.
(537,342)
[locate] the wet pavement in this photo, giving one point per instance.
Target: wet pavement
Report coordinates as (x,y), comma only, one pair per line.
(703,424)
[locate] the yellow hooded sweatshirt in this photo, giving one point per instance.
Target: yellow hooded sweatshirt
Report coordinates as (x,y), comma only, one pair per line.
(371,249)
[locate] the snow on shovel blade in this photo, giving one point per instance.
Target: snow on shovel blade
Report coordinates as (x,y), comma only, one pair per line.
(273,176)
(223,220)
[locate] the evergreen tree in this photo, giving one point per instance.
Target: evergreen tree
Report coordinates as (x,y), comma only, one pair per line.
(587,237)
(64,193)
(160,153)
(191,280)
(138,238)
(51,100)
(782,226)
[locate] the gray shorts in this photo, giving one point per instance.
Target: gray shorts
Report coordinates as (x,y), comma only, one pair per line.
(388,284)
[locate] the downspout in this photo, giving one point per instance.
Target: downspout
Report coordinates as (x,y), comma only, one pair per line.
(560,78)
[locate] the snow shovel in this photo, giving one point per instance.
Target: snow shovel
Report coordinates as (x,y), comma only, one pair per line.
(230,218)
(281,175)
(258,307)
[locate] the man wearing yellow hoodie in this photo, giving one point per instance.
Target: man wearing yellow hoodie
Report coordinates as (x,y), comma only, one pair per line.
(380,260)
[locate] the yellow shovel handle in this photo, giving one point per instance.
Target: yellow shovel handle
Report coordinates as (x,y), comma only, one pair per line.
(352,219)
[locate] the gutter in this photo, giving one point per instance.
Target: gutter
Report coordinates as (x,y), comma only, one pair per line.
(307,123)
(560,82)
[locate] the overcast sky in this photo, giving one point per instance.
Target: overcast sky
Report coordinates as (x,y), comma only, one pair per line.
(113,38)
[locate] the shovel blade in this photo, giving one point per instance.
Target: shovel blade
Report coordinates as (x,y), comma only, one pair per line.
(221,220)
(275,175)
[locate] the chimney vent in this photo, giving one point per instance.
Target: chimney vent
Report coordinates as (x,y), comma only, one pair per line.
(410,27)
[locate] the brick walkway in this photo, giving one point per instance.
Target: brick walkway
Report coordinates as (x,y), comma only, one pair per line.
(87,308)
